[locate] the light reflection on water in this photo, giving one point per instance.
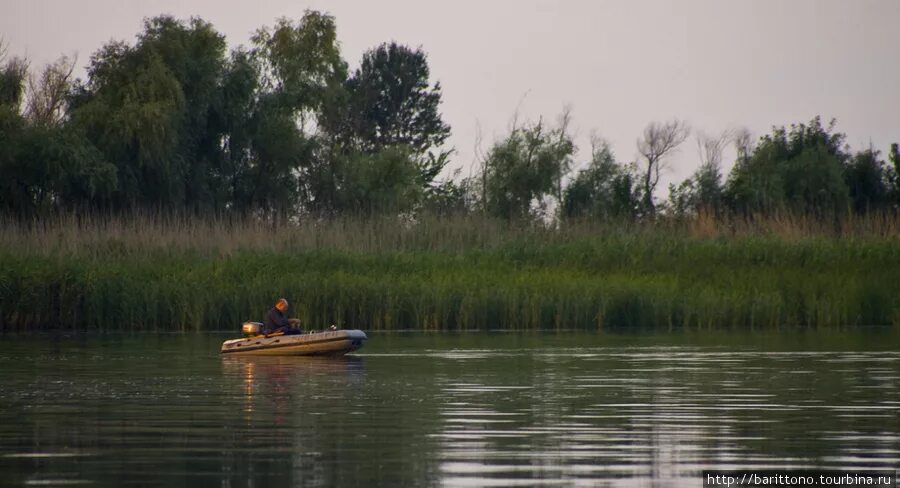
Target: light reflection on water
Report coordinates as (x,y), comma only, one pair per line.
(446,410)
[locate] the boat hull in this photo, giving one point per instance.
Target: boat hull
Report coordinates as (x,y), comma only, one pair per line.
(328,343)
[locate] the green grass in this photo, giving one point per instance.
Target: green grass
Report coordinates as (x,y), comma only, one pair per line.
(157,274)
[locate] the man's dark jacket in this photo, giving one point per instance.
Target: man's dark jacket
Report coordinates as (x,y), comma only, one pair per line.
(274,320)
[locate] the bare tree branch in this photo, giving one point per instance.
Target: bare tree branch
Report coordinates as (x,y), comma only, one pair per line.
(46,100)
(711,148)
(565,119)
(659,140)
(743,142)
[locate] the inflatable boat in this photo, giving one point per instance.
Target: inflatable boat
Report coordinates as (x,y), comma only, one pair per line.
(327,343)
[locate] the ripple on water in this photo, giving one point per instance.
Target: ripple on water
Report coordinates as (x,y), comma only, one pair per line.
(477,416)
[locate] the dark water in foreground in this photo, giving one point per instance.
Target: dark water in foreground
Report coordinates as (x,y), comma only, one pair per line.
(483,409)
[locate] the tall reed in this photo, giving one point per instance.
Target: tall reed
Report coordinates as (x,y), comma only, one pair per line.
(149,272)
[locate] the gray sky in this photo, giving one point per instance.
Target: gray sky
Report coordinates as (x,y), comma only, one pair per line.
(718,64)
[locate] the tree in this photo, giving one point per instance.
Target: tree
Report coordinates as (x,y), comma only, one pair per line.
(54,168)
(895,157)
(604,189)
(263,149)
(48,94)
(131,109)
(195,54)
(393,102)
(659,141)
(278,152)
(238,106)
(382,183)
(45,164)
(301,76)
(867,180)
(799,170)
(191,129)
(13,73)
(152,109)
(170,122)
(389,101)
(894,174)
(743,144)
(703,191)
(300,63)
(524,168)
(447,197)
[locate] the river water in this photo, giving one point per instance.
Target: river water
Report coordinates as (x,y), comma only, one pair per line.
(476,409)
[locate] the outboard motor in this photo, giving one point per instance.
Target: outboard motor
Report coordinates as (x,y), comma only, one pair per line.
(251,328)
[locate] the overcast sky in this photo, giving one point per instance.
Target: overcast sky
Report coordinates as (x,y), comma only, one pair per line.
(718,64)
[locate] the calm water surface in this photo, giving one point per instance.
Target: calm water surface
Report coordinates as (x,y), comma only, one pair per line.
(483,409)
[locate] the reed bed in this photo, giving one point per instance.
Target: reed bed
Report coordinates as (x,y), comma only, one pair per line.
(180,273)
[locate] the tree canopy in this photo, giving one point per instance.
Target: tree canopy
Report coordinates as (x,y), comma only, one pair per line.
(283,128)
(176,122)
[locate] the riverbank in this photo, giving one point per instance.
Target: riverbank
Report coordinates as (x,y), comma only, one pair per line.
(181,274)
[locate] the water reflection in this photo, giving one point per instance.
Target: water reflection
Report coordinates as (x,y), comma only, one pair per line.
(568,410)
(579,418)
(271,381)
(277,441)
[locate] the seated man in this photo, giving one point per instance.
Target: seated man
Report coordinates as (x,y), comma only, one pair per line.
(276,321)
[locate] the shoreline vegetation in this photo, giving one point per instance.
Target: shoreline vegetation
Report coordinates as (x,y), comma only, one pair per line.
(183,184)
(463,273)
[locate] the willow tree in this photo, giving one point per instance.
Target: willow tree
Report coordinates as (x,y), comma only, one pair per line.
(524,168)
(45,164)
(301,68)
(152,109)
